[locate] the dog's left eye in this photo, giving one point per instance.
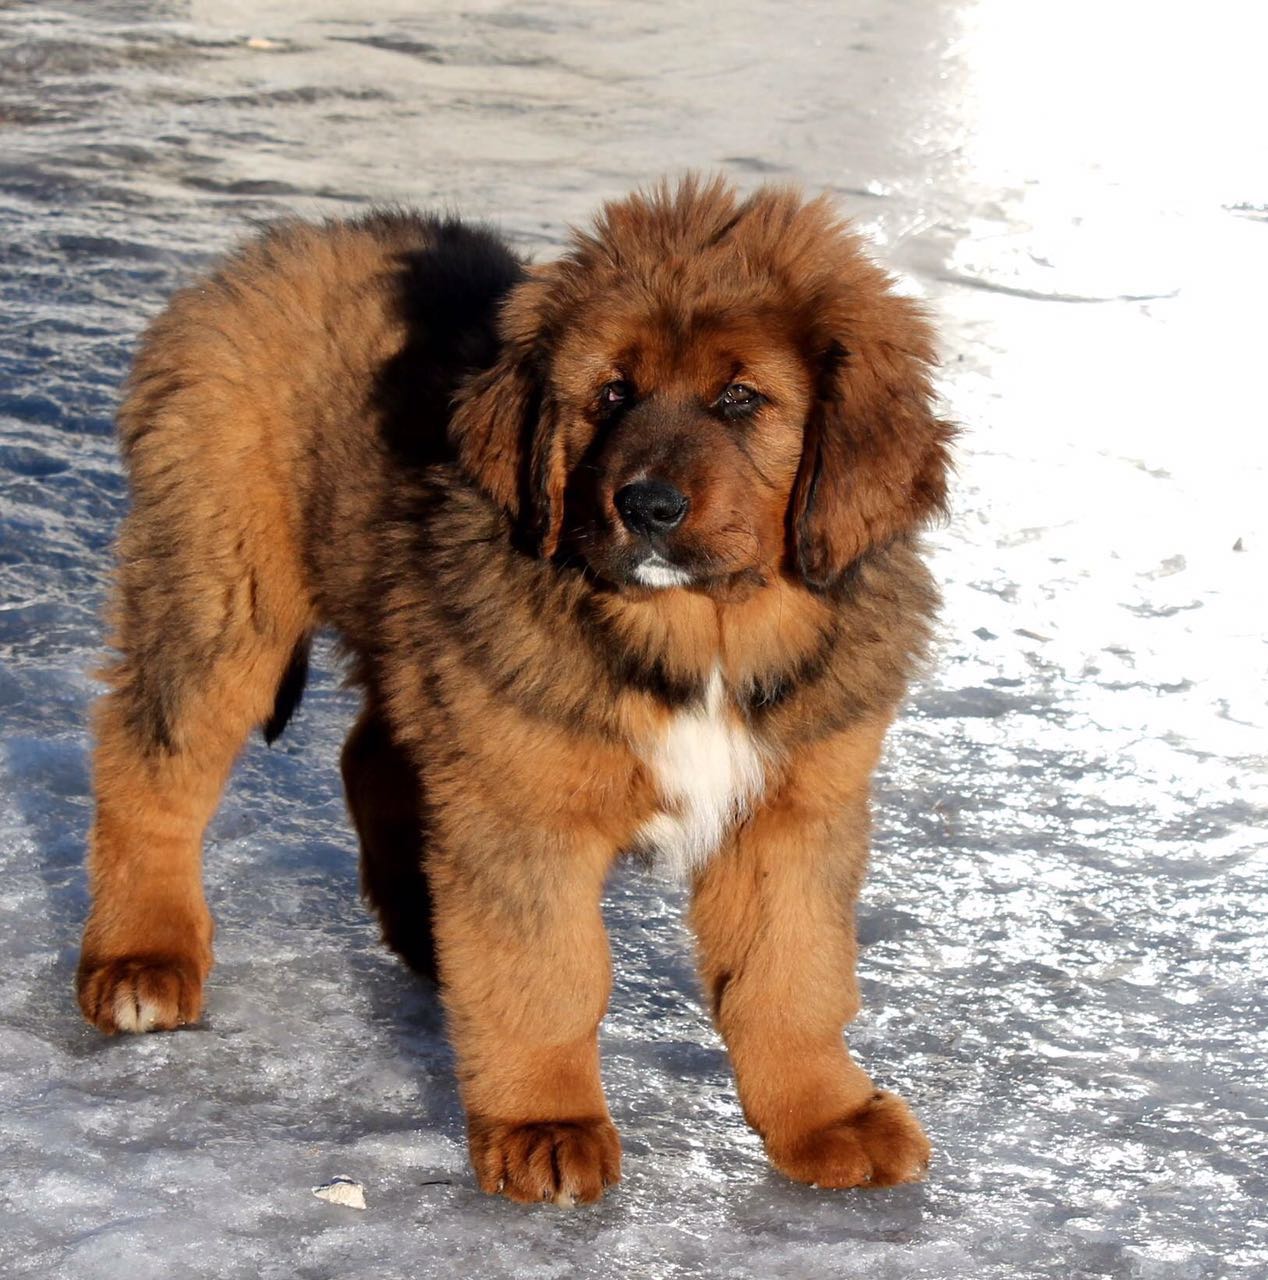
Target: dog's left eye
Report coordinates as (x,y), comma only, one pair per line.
(614,393)
(738,396)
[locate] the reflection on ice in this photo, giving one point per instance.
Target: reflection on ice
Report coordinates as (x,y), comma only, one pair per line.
(1071,254)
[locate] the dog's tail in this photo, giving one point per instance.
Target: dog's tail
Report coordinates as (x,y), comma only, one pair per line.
(290,692)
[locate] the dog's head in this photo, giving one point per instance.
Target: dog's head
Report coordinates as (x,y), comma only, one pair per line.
(707,390)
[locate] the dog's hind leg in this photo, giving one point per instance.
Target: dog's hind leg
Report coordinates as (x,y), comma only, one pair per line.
(383,791)
(210,620)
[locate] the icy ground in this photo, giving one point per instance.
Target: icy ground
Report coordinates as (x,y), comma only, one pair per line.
(1065,956)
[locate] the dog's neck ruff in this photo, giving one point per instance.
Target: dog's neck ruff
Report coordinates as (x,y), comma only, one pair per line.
(709,771)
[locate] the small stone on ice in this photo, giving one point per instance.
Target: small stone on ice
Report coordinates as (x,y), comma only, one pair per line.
(342,1190)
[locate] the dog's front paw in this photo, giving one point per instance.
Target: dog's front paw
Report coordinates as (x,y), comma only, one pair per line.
(565,1162)
(140,993)
(878,1145)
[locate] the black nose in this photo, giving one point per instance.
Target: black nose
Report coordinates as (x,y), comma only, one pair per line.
(650,507)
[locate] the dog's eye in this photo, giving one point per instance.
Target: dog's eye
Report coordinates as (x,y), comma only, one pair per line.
(614,393)
(738,396)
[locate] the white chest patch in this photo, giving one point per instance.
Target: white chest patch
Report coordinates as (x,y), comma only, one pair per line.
(708,771)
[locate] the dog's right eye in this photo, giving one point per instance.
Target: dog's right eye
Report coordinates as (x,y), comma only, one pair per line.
(613,394)
(739,396)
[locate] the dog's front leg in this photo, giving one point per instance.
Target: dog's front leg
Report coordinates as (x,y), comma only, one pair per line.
(774,916)
(525,976)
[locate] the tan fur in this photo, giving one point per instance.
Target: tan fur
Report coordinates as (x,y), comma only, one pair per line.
(393,428)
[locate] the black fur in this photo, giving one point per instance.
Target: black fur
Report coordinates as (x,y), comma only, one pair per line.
(290,693)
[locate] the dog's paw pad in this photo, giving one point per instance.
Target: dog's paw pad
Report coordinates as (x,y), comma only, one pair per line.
(879,1145)
(140,993)
(563,1162)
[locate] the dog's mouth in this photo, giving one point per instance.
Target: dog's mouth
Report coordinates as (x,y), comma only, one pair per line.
(638,565)
(653,570)
(650,568)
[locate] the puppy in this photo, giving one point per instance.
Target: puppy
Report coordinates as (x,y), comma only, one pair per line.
(622,552)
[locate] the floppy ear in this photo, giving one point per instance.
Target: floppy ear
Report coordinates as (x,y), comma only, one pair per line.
(505,428)
(874,462)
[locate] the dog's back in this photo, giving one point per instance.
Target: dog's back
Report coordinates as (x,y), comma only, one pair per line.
(269,406)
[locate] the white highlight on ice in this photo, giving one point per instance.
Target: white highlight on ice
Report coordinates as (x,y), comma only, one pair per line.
(709,771)
(658,572)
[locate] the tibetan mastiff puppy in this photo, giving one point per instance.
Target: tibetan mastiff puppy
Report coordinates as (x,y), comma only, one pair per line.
(622,550)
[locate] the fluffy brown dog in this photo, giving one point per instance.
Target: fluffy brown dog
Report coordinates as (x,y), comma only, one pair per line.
(622,548)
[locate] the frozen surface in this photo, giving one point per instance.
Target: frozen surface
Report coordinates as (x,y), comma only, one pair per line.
(1065,959)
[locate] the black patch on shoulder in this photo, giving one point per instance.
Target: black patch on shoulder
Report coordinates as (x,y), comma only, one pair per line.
(449,287)
(771,690)
(842,589)
(630,670)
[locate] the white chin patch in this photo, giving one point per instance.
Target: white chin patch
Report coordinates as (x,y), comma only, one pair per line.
(655,572)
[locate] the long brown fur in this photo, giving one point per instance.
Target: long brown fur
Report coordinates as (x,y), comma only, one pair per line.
(393,427)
